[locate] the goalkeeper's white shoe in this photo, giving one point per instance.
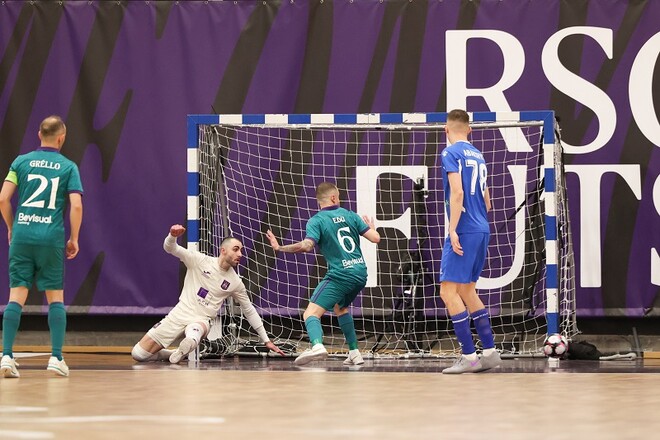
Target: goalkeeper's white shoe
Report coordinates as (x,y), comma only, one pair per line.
(186,346)
(354,358)
(8,367)
(58,367)
(316,353)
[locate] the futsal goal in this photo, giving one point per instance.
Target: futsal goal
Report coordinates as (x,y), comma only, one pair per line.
(251,173)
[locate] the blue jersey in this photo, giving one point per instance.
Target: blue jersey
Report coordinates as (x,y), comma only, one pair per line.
(463,158)
(44,179)
(337,232)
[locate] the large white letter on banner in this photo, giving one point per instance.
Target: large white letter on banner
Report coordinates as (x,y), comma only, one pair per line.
(458,91)
(655,258)
(366,187)
(590,177)
(640,89)
(580,89)
(518,177)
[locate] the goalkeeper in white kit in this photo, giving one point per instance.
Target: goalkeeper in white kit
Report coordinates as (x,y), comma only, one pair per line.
(208,282)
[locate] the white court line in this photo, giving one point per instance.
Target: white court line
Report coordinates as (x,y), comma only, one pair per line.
(28,355)
(6,434)
(119,418)
(18,409)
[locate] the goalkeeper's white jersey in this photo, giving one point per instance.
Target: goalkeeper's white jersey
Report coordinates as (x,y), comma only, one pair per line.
(206,286)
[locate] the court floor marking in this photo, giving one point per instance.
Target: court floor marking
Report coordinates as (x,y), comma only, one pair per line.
(25,435)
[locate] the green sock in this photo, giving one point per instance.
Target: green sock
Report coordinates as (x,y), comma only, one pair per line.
(10,322)
(348,328)
(57,325)
(314,330)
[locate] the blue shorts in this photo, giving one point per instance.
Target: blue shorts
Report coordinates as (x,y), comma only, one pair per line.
(467,268)
(331,291)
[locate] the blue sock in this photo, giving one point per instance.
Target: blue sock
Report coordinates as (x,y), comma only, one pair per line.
(57,326)
(484,330)
(461,323)
(348,328)
(314,330)
(10,322)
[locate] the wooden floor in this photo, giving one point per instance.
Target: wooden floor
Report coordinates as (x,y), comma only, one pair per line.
(108,396)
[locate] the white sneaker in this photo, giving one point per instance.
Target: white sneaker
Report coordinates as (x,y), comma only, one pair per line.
(354,358)
(463,365)
(8,367)
(185,347)
(316,353)
(58,367)
(492,361)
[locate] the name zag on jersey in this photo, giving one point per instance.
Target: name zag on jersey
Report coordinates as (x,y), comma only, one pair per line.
(473,154)
(25,219)
(352,262)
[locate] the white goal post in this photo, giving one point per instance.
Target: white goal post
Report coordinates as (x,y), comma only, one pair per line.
(250,173)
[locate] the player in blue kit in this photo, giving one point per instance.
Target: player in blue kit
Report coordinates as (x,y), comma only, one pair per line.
(46,182)
(467,202)
(337,233)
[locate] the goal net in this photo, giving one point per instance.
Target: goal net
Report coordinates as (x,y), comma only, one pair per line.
(251,173)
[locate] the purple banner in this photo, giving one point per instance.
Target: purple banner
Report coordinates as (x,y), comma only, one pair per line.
(124,76)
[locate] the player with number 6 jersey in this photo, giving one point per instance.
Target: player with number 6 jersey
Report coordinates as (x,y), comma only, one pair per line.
(337,232)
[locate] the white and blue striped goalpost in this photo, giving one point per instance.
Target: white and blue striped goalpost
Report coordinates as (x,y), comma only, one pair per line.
(248,173)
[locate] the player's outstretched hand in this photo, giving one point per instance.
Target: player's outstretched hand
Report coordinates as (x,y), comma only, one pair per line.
(272,240)
(71,249)
(275,348)
(177,230)
(369,221)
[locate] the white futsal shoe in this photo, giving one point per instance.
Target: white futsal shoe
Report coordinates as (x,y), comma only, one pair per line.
(316,353)
(354,358)
(58,367)
(185,347)
(492,361)
(463,365)
(8,367)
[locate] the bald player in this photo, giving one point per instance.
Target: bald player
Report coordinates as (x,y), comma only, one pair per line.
(208,282)
(46,182)
(337,233)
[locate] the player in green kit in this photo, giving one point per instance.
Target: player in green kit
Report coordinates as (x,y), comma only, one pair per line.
(337,233)
(46,182)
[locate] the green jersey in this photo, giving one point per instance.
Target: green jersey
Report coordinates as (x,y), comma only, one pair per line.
(337,233)
(44,179)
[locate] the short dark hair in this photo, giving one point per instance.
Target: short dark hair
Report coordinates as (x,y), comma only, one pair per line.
(51,126)
(458,115)
(325,189)
(226,241)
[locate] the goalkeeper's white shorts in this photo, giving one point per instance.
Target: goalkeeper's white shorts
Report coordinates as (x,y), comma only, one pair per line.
(174,324)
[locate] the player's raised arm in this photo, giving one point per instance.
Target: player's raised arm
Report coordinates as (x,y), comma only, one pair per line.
(172,247)
(302,246)
(372,234)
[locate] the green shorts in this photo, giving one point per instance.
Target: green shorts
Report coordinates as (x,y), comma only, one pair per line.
(331,291)
(29,263)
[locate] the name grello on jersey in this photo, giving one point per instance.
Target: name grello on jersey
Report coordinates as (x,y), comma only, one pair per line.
(45,164)
(25,219)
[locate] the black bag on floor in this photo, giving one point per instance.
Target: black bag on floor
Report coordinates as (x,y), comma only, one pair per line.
(583,350)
